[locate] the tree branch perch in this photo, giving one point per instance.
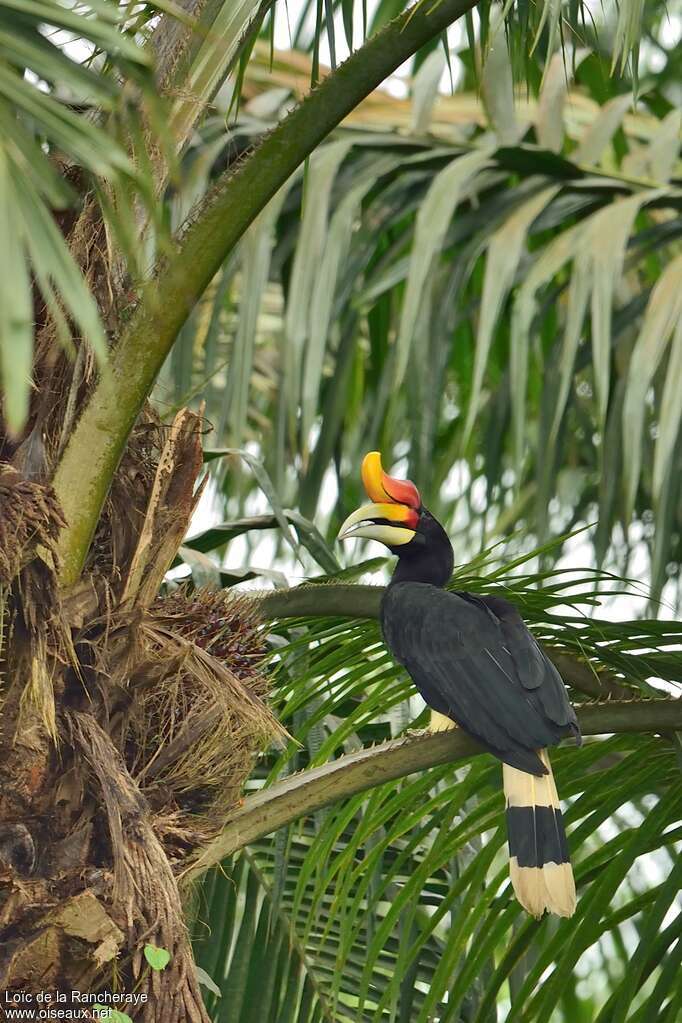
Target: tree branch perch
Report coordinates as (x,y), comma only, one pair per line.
(301,794)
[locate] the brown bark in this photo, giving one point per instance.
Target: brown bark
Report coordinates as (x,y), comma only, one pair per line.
(129,724)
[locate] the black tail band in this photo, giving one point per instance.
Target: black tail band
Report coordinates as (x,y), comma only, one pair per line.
(536,835)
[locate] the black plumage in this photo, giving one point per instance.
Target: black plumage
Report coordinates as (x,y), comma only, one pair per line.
(473,659)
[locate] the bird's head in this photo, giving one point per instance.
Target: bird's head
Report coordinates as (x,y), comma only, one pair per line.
(397,518)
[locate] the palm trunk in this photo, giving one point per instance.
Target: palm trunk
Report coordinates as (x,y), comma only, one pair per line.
(129,725)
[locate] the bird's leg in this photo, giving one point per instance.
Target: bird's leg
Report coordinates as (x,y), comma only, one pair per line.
(440,722)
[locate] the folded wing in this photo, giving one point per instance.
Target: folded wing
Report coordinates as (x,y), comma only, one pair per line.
(473,659)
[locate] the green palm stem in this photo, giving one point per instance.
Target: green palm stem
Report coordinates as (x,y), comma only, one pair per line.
(301,794)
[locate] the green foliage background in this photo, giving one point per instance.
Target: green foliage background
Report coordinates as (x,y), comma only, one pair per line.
(488,291)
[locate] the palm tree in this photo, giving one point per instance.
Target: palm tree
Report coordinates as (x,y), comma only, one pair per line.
(132,712)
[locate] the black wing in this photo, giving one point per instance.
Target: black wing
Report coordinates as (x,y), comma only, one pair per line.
(473,659)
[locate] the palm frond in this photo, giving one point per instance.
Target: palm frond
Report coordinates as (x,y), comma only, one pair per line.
(397,903)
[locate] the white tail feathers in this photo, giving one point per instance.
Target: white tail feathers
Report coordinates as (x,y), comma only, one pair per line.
(539,865)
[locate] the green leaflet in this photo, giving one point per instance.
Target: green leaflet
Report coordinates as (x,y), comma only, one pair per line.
(16,307)
(670,414)
(553,257)
(663,316)
(336,246)
(650,927)
(431,226)
(55,268)
(425,91)
(601,254)
(597,137)
(31,49)
(89,145)
(211,62)
(322,170)
(254,250)
(36,122)
(504,253)
(627,32)
(598,251)
(104,29)
(594,905)
(497,88)
(550,125)
(664,148)
(31,235)
(550,12)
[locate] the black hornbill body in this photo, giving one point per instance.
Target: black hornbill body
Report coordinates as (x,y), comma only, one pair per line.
(477,666)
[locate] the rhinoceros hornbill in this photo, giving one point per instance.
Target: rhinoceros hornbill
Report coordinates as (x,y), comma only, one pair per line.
(477,666)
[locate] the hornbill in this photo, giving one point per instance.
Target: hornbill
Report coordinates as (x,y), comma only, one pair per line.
(477,667)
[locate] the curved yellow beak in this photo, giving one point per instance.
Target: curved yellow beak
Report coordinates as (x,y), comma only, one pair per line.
(362,523)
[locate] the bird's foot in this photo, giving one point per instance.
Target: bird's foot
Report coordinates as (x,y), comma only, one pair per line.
(440,722)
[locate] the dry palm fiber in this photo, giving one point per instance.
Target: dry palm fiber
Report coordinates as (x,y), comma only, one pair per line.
(29,517)
(145,895)
(200,715)
(30,521)
(124,510)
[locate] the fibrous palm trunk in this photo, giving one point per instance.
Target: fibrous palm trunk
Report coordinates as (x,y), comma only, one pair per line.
(129,722)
